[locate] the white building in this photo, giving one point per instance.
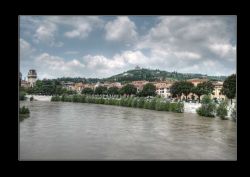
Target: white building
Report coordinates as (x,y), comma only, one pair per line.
(163,89)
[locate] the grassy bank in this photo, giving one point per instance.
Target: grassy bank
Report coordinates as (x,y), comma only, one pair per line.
(157,104)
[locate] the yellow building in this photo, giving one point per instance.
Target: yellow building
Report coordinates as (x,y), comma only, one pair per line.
(217,90)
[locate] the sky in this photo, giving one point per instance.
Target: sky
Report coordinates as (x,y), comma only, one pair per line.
(102,46)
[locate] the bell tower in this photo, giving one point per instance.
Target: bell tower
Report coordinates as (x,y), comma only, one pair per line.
(32,76)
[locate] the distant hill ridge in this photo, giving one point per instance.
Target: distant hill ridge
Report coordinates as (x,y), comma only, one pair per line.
(145,74)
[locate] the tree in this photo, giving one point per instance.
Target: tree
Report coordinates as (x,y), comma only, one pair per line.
(204,88)
(175,89)
(101,90)
(87,91)
(58,90)
(148,90)
(113,90)
(229,87)
(186,88)
(128,89)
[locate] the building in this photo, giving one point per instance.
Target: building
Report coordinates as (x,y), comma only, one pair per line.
(32,77)
(137,67)
(115,84)
(98,84)
(163,89)
(79,87)
(68,85)
(92,86)
(196,81)
(217,90)
(139,84)
(25,84)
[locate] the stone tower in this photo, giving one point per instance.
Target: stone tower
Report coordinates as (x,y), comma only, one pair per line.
(32,76)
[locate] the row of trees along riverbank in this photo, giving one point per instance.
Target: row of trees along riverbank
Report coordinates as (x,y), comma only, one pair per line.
(156,103)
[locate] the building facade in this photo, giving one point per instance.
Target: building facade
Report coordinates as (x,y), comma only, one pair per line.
(217,90)
(163,89)
(139,84)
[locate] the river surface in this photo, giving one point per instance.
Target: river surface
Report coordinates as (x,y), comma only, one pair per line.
(81,131)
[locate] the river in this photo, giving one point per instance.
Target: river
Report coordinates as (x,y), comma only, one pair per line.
(81,131)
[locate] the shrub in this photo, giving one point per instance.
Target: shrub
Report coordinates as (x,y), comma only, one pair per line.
(129,102)
(134,103)
(176,107)
(122,101)
(221,111)
(179,107)
(24,110)
(82,100)
(55,98)
(22,95)
(106,101)
(102,101)
(126,102)
(152,104)
(117,102)
(167,106)
(76,98)
(91,100)
(68,98)
(206,99)
(146,104)
(208,108)
(140,103)
(158,105)
(97,100)
(63,97)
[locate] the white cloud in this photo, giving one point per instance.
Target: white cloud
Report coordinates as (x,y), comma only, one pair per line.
(187,55)
(192,42)
(81,25)
(82,31)
(202,44)
(45,33)
(121,29)
(58,67)
(223,50)
(104,66)
(45,29)
(26,50)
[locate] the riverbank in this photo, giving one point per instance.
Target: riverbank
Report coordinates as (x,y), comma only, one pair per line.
(158,104)
(39,97)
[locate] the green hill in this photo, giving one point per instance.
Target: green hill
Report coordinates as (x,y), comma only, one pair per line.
(157,75)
